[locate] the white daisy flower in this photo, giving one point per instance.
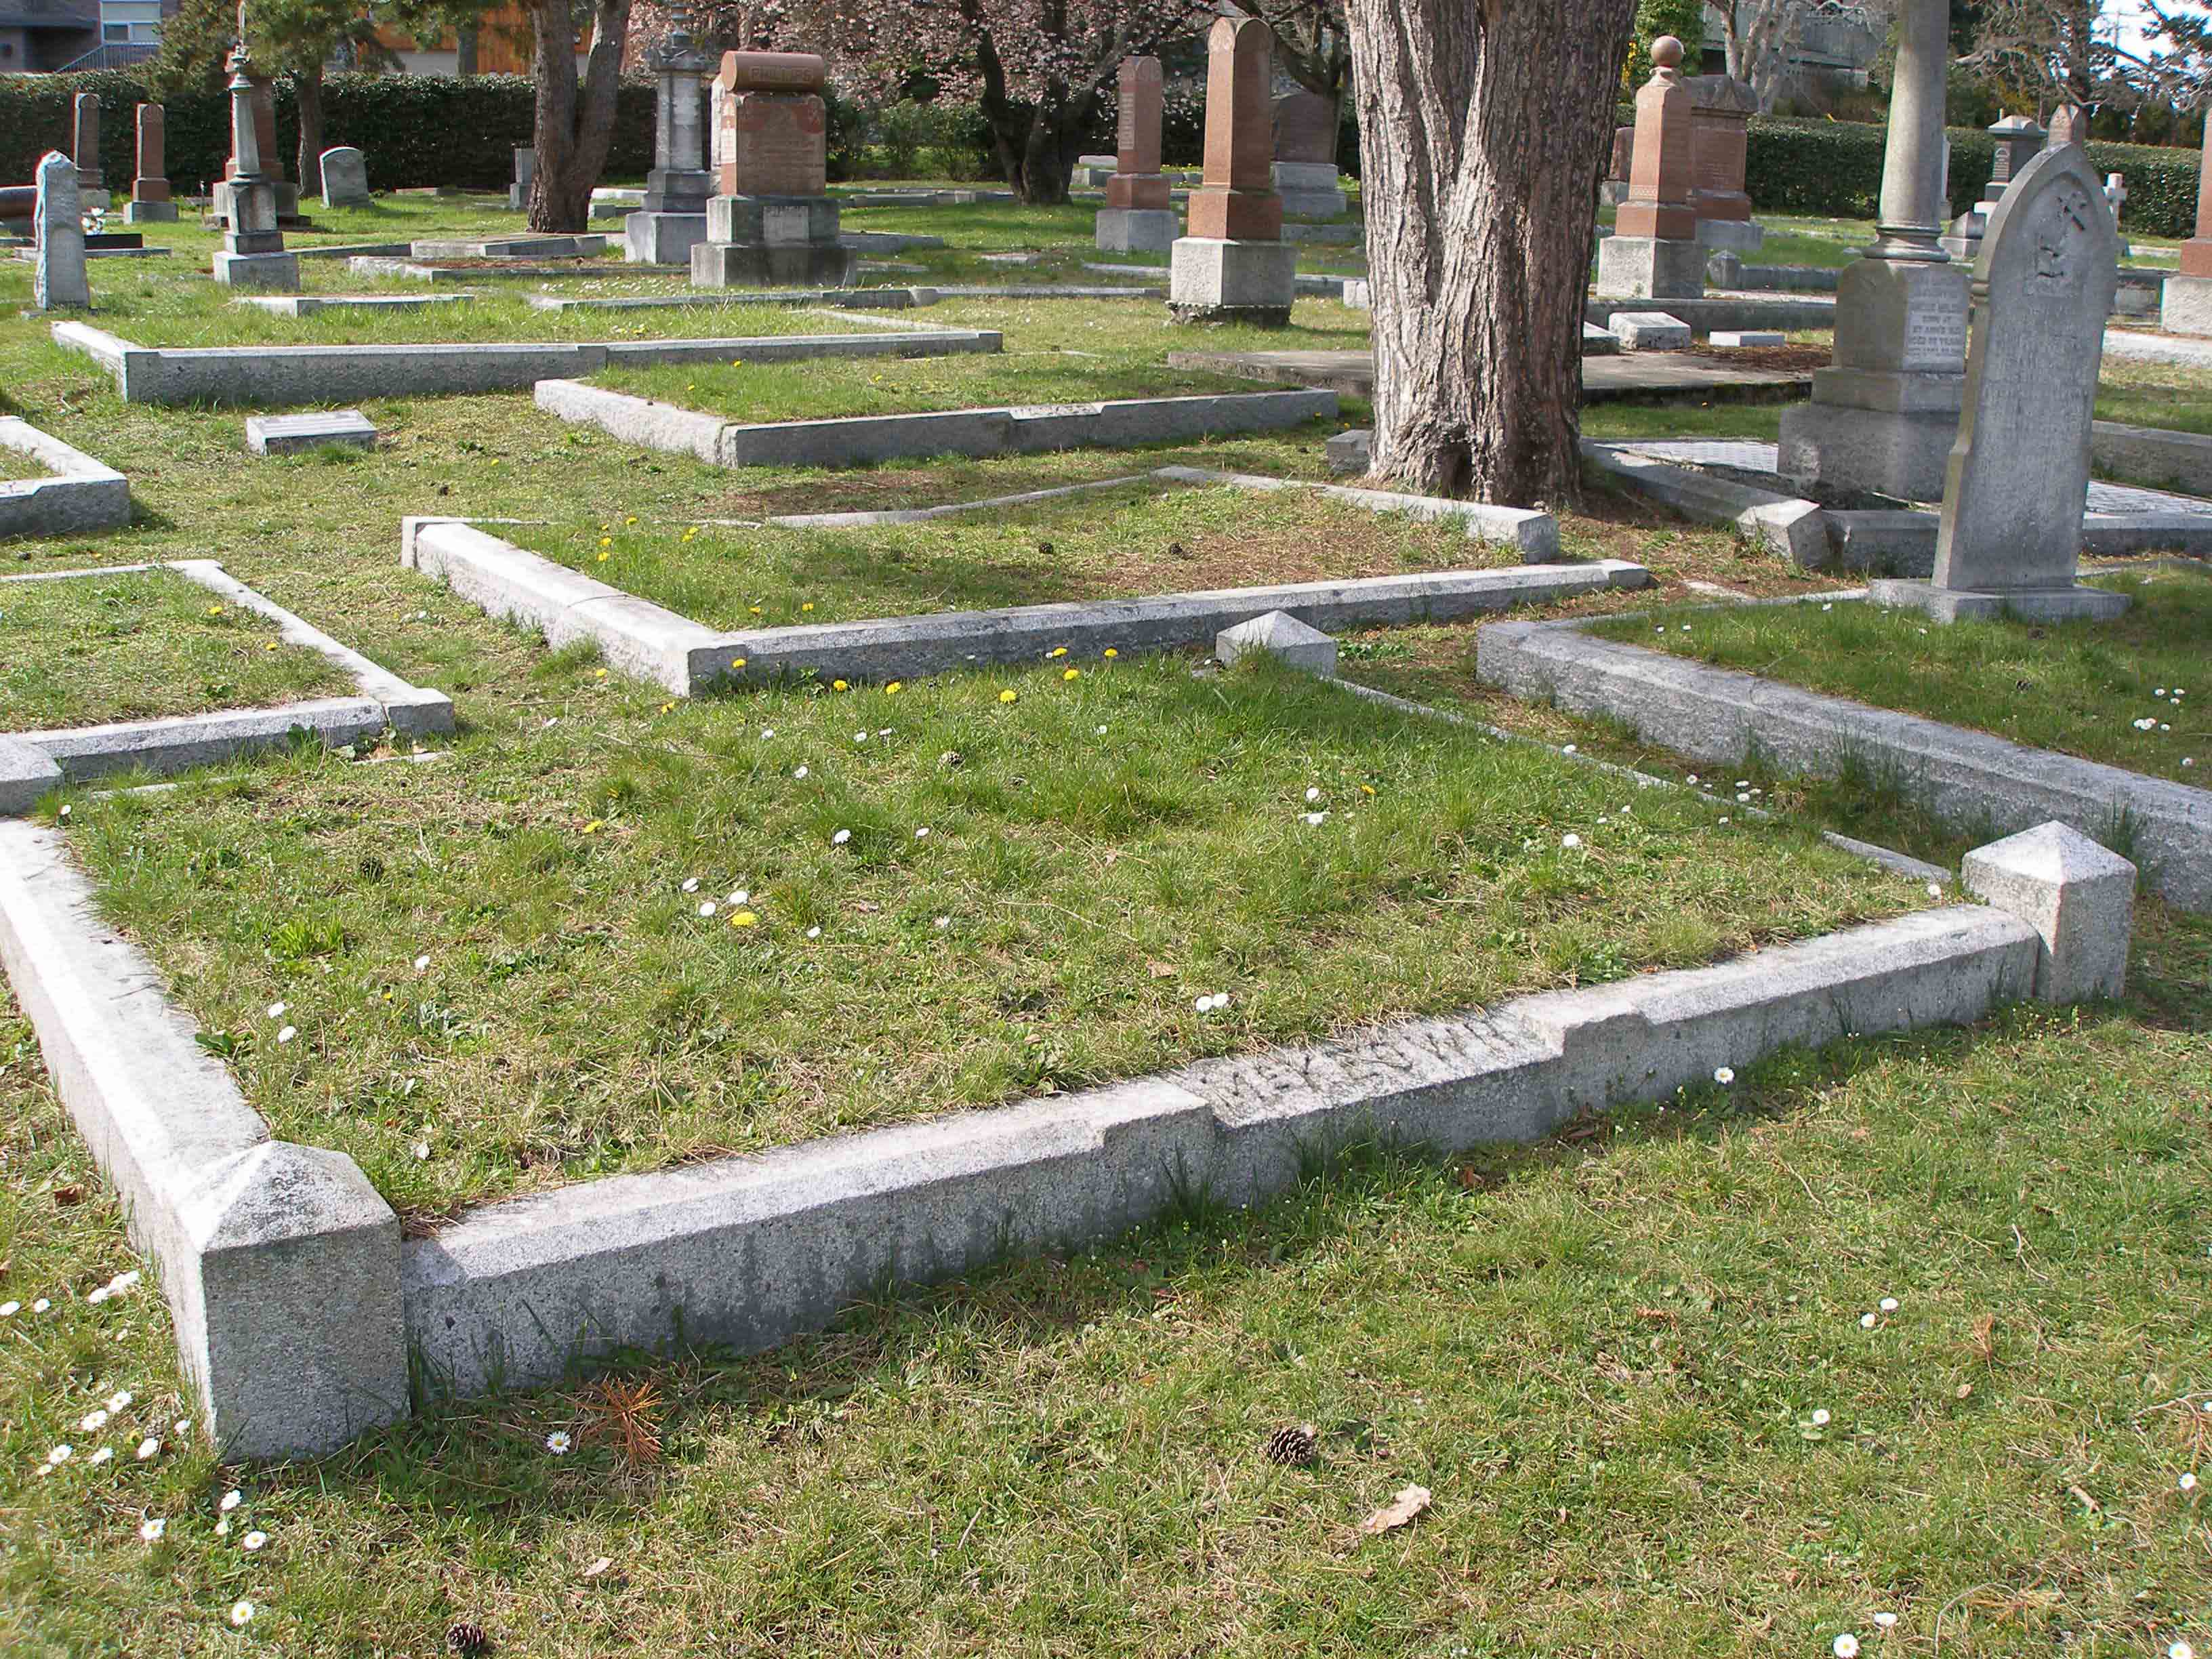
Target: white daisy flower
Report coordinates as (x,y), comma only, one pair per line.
(942,922)
(1821,1419)
(231,1500)
(1570,840)
(422,1149)
(9,1309)
(557,1443)
(287,1034)
(739,897)
(800,772)
(1313,794)
(767,732)
(105,1455)
(1724,1075)
(148,1450)
(814,932)
(1886,1620)
(152,1529)
(841,837)
(222,1528)
(276,1011)
(60,1455)
(93,1421)
(98,1295)
(2188,1482)
(1567,748)
(2181,1651)
(253,1540)
(922,833)
(241,1614)
(691,885)
(1887,1304)
(1846,1646)
(1315,817)
(183,1426)
(421,963)
(120,1401)
(1866,1321)
(706,906)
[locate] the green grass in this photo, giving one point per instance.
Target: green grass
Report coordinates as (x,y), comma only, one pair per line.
(140,645)
(2079,688)
(2167,395)
(576,1015)
(1601,1356)
(1138,540)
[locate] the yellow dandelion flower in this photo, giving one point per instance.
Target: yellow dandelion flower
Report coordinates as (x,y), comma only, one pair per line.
(605,555)
(839,685)
(215,611)
(754,608)
(808,606)
(1057,651)
(271,646)
(598,674)
(667,707)
(1007,695)
(737,662)
(1367,788)
(606,541)
(631,520)
(744,918)
(894,688)
(1073,674)
(595,826)
(1111,653)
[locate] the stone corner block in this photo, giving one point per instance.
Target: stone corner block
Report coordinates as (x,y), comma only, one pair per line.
(1349,452)
(1282,637)
(2078,897)
(1650,331)
(27,772)
(300,1340)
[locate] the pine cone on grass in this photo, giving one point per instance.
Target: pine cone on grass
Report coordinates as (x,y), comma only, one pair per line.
(1292,1446)
(467,1641)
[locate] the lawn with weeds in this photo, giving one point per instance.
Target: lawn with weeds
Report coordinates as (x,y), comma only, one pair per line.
(142,645)
(639,933)
(2119,691)
(1912,1327)
(1055,351)
(1145,539)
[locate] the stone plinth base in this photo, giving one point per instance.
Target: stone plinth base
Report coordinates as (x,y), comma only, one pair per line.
(280,271)
(1613,192)
(742,264)
(518,198)
(1210,280)
(150,213)
(1310,189)
(662,239)
(2185,307)
(2035,604)
(1731,235)
(1650,268)
(772,220)
(1889,451)
(1137,230)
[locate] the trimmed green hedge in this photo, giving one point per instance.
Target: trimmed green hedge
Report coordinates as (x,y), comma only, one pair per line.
(415,129)
(1835,168)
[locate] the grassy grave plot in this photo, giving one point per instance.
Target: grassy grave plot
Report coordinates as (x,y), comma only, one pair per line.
(2123,692)
(636,933)
(1055,351)
(1629,1366)
(2172,396)
(1142,539)
(142,645)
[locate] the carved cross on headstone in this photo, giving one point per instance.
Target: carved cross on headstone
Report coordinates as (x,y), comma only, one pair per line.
(2115,191)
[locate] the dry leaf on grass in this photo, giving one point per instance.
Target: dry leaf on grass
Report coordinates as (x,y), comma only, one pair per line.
(1160,970)
(1409,1503)
(598,1567)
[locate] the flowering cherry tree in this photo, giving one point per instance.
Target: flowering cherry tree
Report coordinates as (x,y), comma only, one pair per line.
(1037,70)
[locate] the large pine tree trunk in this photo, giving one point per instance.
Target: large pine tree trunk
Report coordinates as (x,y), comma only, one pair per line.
(574,125)
(1485,126)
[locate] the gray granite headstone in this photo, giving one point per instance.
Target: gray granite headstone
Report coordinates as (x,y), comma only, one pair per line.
(57,275)
(345,178)
(2018,480)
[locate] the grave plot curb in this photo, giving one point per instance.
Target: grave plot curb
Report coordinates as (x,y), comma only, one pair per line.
(33,762)
(643,640)
(1968,779)
(1004,429)
(1792,528)
(277,375)
(750,1251)
(280,1263)
(85,494)
(1535,534)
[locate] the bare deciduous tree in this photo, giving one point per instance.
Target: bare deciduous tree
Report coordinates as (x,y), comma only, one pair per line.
(1758,33)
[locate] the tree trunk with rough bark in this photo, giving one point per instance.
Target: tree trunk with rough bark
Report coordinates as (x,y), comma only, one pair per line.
(307,97)
(1037,144)
(575,124)
(1484,127)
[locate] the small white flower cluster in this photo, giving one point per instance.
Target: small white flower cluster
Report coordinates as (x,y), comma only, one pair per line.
(121,1284)
(1207,1004)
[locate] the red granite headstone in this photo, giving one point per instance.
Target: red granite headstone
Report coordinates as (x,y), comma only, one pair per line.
(152,184)
(2197,252)
(1660,182)
(1305,128)
(1137,181)
(1237,202)
(774,138)
(1723,110)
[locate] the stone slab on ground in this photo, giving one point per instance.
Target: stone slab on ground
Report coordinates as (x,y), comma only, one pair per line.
(1788,526)
(1738,338)
(1000,430)
(280,1263)
(318,374)
(2036,604)
(2179,462)
(1808,310)
(510,247)
(1967,778)
(1650,331)
(1651,375)
(295,435)
(81,495)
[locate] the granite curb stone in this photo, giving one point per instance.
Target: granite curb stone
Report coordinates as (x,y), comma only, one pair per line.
(83,496)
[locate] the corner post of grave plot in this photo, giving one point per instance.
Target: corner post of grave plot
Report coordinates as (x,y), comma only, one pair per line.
(291,1326)
(2077,895)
